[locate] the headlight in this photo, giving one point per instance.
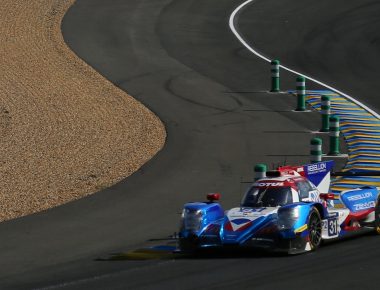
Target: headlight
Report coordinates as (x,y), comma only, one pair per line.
(287,217)
(191,219)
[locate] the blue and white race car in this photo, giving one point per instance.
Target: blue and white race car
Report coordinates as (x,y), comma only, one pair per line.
(288,210)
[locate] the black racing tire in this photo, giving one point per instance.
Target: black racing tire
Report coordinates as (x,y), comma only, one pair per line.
(377,217)
(314,225)
(187,245)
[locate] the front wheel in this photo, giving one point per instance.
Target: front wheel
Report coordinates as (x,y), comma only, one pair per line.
(187,245)
(315,229)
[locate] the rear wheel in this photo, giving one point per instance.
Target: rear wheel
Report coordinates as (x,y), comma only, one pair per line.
(315,229)
(377,217)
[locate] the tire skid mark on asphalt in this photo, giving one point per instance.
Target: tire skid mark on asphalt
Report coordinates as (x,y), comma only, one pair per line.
(159,252)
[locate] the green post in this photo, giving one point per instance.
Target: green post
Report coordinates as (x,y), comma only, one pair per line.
(301,92)
(275,71)
(325,113)
(260,171)
(334,135)
(316,150)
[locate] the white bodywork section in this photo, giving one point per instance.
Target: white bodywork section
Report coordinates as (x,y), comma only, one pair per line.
(331,226)
(324,185)
(250,214)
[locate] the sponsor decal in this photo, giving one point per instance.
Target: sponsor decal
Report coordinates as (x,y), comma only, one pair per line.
(250,212)
(316,168)
(318,174)
(262,240)
(267,184)
(360,199)
(360,196)
(334,214)
(247,211)
(241,218)
(330,226)
(365,205)
(314,195)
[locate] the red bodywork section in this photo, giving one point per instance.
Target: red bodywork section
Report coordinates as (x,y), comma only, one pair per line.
(352,221)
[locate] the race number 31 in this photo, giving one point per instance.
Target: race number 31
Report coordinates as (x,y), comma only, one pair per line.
(332,227)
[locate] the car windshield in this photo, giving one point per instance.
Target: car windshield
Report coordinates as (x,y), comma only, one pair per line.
(267,197)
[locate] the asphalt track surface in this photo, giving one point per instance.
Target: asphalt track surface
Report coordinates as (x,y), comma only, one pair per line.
(181,60)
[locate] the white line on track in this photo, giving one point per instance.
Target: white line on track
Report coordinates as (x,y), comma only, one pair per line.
(251,49)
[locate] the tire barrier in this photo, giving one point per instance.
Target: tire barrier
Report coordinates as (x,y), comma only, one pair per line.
(275,72)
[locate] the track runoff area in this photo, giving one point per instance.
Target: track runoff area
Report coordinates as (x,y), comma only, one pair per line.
(359,124)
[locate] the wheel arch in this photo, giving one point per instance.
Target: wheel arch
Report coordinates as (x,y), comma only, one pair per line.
(320,209)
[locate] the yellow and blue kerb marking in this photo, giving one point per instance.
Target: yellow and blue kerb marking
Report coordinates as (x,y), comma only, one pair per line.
(361,131)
